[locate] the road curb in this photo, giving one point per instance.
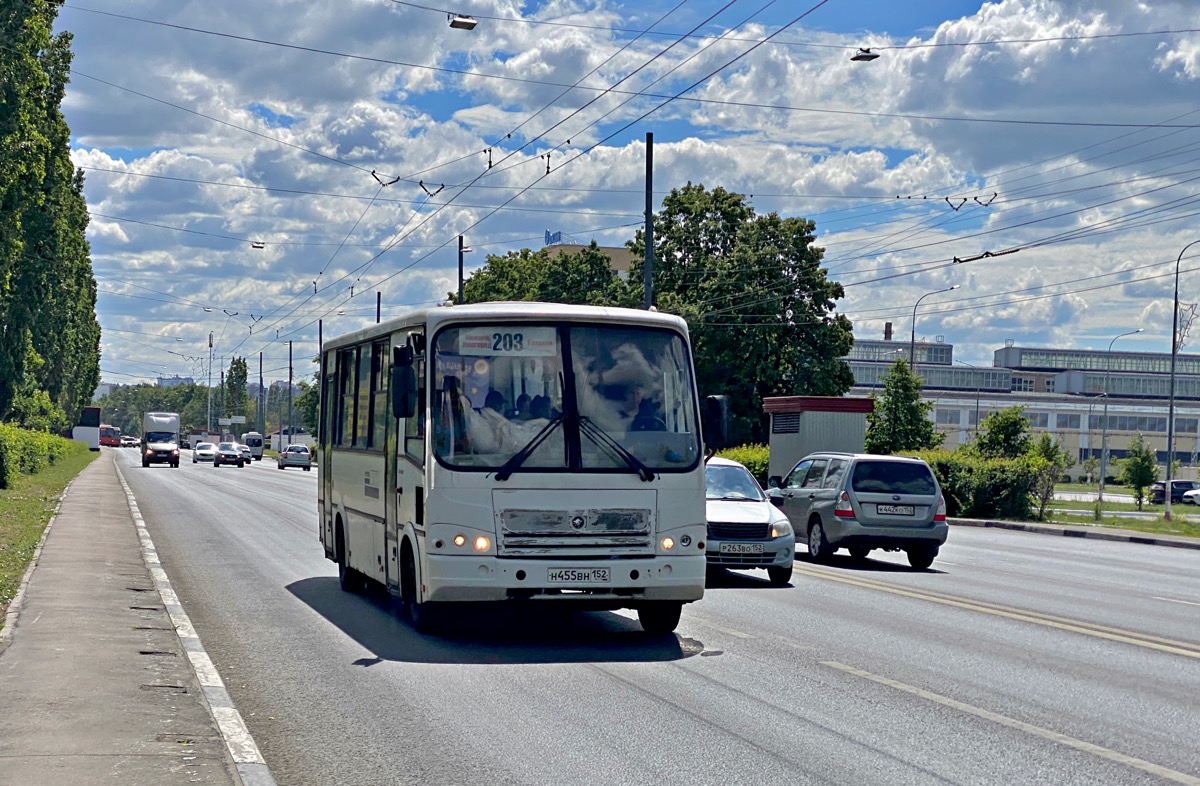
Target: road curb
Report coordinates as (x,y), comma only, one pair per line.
(14,608)
(1091,533)
(251,767)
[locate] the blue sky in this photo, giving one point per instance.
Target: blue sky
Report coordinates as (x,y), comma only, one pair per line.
(257,142)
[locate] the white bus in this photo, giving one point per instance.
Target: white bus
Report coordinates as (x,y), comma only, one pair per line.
(521,452)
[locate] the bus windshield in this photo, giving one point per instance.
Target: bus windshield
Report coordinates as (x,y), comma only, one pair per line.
(571,396)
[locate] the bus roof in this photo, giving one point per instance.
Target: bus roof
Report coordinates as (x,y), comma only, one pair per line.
(434,318)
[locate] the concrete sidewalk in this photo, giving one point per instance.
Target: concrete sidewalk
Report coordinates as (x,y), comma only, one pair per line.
(95,687)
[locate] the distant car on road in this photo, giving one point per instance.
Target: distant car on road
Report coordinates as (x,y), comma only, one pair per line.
(295,456)
(1178,489)
(862,502)
(745,530)
(247,456)
(129,442)
(204,451)
(228,453)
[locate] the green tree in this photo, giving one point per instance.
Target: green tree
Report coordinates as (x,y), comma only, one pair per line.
(1003,434)
(1139,469)
(1091,468)
(47,292)
(1055,461)
(758,303)
(899,422)
(236,399)
(582,278)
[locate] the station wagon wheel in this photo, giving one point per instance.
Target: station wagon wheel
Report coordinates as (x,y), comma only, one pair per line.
(858,553)
(921,557)
(819,549)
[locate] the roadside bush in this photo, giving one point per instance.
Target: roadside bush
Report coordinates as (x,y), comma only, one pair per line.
(25,452)
(757,458)
(977,487)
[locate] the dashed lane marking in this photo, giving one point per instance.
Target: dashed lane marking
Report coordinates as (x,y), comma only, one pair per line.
(1175,600)
(1029,728)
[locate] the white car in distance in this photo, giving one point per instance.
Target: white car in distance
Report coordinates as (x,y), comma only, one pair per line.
(204,451)
(295,456)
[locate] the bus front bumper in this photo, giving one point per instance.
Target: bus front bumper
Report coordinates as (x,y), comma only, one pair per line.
(593,583)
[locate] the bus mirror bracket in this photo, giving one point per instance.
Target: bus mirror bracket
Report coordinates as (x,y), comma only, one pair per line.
(716,422)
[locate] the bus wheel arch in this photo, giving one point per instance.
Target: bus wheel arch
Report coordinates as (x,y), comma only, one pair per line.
(418,613)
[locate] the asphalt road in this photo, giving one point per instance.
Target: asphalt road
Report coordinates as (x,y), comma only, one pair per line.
(1019,658)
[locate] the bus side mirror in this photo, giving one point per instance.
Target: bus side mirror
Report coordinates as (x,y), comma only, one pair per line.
(404,392)
(716,422)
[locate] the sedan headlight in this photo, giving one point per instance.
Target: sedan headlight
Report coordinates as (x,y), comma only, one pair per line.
(781,529)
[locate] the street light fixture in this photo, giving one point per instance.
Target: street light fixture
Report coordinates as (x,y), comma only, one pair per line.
(1104,426)
(462,21)
(864,55)
(912,344)
(1171,405)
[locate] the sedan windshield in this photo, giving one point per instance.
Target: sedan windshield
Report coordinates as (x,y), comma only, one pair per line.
(728,482)
(623,395)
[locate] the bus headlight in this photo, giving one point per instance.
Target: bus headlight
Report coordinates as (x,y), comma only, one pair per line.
(668,543)
(459,540)
(482,543)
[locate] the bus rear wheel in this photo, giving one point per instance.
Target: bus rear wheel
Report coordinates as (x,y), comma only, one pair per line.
(661,618)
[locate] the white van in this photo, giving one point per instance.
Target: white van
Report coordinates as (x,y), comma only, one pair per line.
(254,441)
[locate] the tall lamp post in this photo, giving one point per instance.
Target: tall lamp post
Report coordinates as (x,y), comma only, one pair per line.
(912,342)
(1104,426)
(1171,404)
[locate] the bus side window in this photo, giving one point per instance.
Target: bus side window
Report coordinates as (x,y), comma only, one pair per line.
(414,427)
(346,366)
(379,402)
(362,414)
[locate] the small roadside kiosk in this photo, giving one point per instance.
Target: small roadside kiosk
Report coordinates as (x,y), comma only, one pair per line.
(805,424)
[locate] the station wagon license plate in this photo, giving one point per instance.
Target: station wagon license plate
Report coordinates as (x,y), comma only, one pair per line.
(577,576)
(894,510)
(741,548)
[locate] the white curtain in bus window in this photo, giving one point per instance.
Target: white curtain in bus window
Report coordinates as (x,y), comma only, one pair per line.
(363,403)
(496,387)
(634,385)
(379,407)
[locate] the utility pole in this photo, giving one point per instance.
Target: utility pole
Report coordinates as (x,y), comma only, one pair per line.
(208,425)
(289,391)
(261,420)
(460,270)
(648,264)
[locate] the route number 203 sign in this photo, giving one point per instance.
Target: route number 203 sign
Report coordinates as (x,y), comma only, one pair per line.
(508,341)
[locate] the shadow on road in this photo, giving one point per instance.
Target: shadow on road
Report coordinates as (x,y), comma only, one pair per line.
(491,634)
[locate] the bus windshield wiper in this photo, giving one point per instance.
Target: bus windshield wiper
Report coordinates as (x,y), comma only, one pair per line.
(520,457)
(601,438)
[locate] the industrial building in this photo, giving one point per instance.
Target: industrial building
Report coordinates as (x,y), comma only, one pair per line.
(1065,392)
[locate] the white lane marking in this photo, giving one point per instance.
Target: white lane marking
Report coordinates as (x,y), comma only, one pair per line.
(232,726)
(1029,728)
(1176,600)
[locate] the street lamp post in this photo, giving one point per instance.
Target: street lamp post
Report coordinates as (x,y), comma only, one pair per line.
(912,343)
(1104,417)
(1171,401)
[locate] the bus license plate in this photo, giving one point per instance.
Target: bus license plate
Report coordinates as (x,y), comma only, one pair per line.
(894,510)
(741,548)
(577,576)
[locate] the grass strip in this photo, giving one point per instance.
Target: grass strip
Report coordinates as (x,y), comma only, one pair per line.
(1155,526)
(25,509)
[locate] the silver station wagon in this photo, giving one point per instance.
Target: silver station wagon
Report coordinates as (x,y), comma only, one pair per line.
(862,502)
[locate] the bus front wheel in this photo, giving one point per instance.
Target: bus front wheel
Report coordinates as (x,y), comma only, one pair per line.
(661,618)
(421,615)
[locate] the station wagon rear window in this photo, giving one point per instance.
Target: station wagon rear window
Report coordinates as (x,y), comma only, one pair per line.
(893,477)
